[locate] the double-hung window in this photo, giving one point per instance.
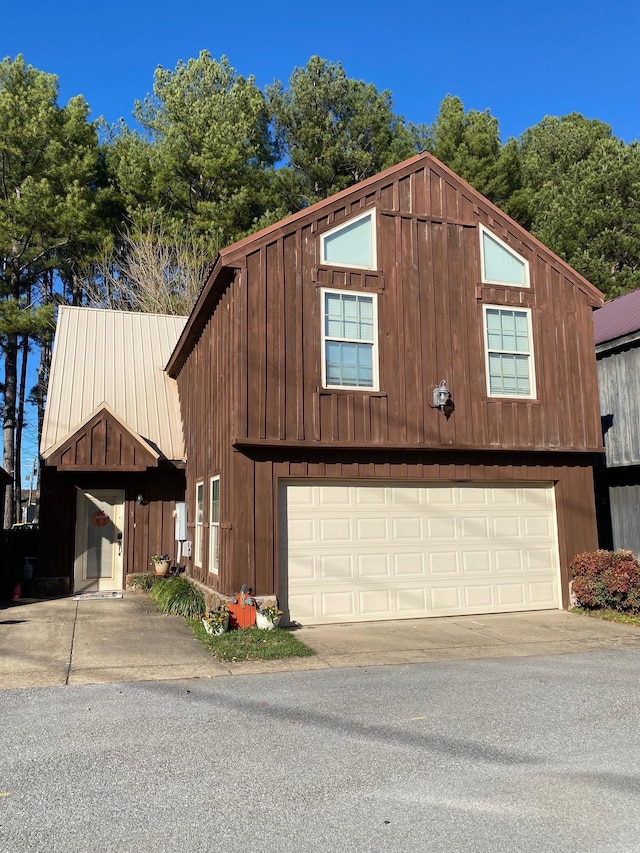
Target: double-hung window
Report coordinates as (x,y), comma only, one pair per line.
(349,340)
(214,525)
(509,352)
(197,549)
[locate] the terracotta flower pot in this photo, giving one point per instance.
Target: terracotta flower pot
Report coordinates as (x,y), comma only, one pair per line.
(161,567)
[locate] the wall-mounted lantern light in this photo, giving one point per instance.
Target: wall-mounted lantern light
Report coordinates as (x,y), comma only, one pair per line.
(442,399)
(140,500)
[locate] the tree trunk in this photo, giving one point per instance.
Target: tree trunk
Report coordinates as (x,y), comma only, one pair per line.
(22,391)
(9,423)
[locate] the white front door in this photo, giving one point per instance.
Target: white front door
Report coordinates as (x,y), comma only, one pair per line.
(99,540)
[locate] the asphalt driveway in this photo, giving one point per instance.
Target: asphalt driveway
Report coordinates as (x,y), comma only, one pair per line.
(62,641)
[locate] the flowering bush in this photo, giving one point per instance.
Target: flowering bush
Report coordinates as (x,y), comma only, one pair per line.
(607,580)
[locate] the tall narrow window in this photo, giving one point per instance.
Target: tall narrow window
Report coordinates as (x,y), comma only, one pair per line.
(197,545)
(351,244)
(500,263)
(509,352)
(214,526)
(349,340)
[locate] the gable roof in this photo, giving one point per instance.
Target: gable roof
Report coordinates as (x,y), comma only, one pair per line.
(129,451)
(116,358)
(619,317)
(233,256)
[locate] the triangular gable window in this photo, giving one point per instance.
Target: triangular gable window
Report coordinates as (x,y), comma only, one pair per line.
(351,244)
(500,264)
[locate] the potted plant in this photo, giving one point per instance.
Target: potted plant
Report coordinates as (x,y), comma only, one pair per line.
(268,617)
(216,621)
(161,564)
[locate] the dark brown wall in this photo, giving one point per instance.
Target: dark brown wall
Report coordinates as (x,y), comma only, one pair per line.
(101,444)
(149,528)
(254,376)
(253,556)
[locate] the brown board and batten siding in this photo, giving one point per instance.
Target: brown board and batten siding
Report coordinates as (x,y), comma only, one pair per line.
(248,367)
(148,527)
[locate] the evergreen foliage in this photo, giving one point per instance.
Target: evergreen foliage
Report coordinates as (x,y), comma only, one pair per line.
(132,220)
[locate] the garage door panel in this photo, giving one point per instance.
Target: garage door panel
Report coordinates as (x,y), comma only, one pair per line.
(511,594)
(441,528)
(409,565)
(375,604)
(443,563)
(336,567)
(478,597)
(474,527)
(539,559)
(335,530)
(476,562)
(507,527)
(373,566)
(445,599)
(411,601)
(405,496)
(372,529)
(543,594)
(389,551)
(408,529)
(536,526)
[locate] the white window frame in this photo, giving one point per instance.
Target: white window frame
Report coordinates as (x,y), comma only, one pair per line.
(374,344)
(199,524)
(532,368)
(214,530)
(511,251)
(371,213)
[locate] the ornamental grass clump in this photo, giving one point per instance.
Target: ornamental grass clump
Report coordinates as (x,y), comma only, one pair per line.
(178,597)
(606,580)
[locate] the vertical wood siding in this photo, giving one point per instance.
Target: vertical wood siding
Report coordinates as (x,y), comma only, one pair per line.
(148,530)
(254,376)
(618,373)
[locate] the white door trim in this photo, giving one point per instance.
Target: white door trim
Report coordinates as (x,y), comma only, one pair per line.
(111,503)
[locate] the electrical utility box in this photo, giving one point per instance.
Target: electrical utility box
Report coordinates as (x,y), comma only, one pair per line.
(181,522)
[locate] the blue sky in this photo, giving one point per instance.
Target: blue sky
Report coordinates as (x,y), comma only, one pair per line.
(520,61)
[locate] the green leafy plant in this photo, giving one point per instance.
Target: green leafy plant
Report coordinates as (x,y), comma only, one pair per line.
(160,558)
(144,582)
(606,580)
(178,597)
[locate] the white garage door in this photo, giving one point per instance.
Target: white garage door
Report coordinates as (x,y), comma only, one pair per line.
(353,552)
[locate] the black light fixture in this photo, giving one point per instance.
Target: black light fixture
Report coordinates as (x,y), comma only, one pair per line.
(442,399)
(140,500)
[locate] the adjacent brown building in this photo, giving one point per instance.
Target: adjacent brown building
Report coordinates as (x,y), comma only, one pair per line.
(390,407)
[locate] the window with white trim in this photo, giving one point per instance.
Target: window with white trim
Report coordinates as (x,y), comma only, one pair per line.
(500,263)
(509,352)
(199,524)
(214,525)
(349,340)
(351,244)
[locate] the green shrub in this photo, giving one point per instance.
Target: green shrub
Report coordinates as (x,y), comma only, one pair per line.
(144,582)
(607,580)
(178,597)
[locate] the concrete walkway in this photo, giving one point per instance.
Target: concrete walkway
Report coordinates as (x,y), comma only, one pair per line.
(58,642)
